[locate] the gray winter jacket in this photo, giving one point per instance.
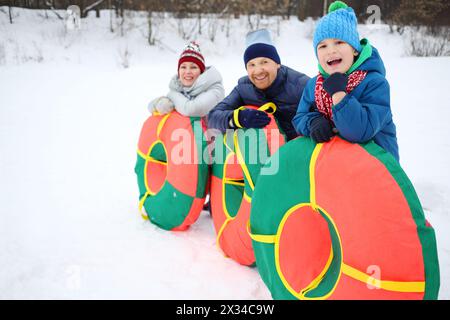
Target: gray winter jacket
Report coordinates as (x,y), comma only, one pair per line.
(195,101)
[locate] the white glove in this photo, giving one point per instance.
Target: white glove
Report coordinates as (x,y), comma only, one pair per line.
(162,105)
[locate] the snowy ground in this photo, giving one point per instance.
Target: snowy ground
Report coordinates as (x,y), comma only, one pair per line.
(70,116)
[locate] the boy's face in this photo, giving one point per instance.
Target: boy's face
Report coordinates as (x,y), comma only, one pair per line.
(188,73)
(262,72)
(335,55)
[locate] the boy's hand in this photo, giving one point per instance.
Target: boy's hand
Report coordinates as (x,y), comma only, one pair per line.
(313,107)
(336,82)
(321,130)
(250,118)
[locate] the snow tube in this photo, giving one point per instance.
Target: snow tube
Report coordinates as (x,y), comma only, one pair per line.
(233,181)
(343,222)
(172,175)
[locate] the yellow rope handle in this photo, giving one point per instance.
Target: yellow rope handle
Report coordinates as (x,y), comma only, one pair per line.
(398,286)
(312,176)
(236,182)
(161,124)
(236,116)
(264,238)
(226,145)
(316,281)
(148,158)
(219,234)
(247,197)
(225,180)
(268,107)
(141,205)
(241,161)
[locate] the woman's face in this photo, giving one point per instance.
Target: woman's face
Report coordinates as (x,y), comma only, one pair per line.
(335,55)
(262,72)
(188,73)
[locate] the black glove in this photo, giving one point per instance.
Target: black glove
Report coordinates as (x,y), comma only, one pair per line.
(321,130)
(335,83)
(250,118)
(313,107)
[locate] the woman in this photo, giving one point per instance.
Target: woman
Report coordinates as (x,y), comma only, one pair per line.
(194,90)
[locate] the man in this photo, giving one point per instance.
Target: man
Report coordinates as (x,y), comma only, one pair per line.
(266,81)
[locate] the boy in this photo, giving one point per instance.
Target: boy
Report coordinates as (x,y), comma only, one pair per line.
(350,96)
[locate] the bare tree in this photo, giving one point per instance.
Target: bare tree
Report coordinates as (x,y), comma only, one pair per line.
(422,12)
(197,9)
(10,14)
(95,5)
(325,7)
(50,5)
(428,34)
(154,20)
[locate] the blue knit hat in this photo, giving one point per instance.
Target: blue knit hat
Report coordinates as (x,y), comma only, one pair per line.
(259,44)
(340,23)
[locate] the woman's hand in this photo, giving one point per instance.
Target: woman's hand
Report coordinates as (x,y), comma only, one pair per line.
(164,105)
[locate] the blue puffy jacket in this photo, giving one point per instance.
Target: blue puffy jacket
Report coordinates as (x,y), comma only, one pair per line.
(285,92)
(363,114)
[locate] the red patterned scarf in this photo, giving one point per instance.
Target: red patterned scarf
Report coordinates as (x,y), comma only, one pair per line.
(324,101)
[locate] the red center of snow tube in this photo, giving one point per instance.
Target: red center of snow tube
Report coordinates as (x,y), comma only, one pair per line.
(305,244)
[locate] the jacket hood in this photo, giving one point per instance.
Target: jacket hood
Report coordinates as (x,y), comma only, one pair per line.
(204,81)
(373,63)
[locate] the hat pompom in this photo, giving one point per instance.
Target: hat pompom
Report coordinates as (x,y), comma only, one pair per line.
(336,6)
(192,53)
(340,23)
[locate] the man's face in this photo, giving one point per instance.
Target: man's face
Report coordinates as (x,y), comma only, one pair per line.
(262,72)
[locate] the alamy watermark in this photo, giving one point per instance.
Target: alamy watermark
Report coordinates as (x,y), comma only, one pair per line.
(73,277)
(73,18)
(374,281)
(252,146)
(375,14)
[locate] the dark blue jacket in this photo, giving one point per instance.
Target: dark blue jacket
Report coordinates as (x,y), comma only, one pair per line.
(364,114)
(285,92)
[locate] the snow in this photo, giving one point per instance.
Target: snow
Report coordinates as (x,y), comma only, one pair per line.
(70,117)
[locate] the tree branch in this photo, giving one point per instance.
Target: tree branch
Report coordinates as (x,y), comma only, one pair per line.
(52,9)
(92,6)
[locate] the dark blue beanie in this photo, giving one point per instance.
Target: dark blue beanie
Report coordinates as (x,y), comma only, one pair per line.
(259,44)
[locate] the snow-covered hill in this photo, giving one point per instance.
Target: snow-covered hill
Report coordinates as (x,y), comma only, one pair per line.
(70,116)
